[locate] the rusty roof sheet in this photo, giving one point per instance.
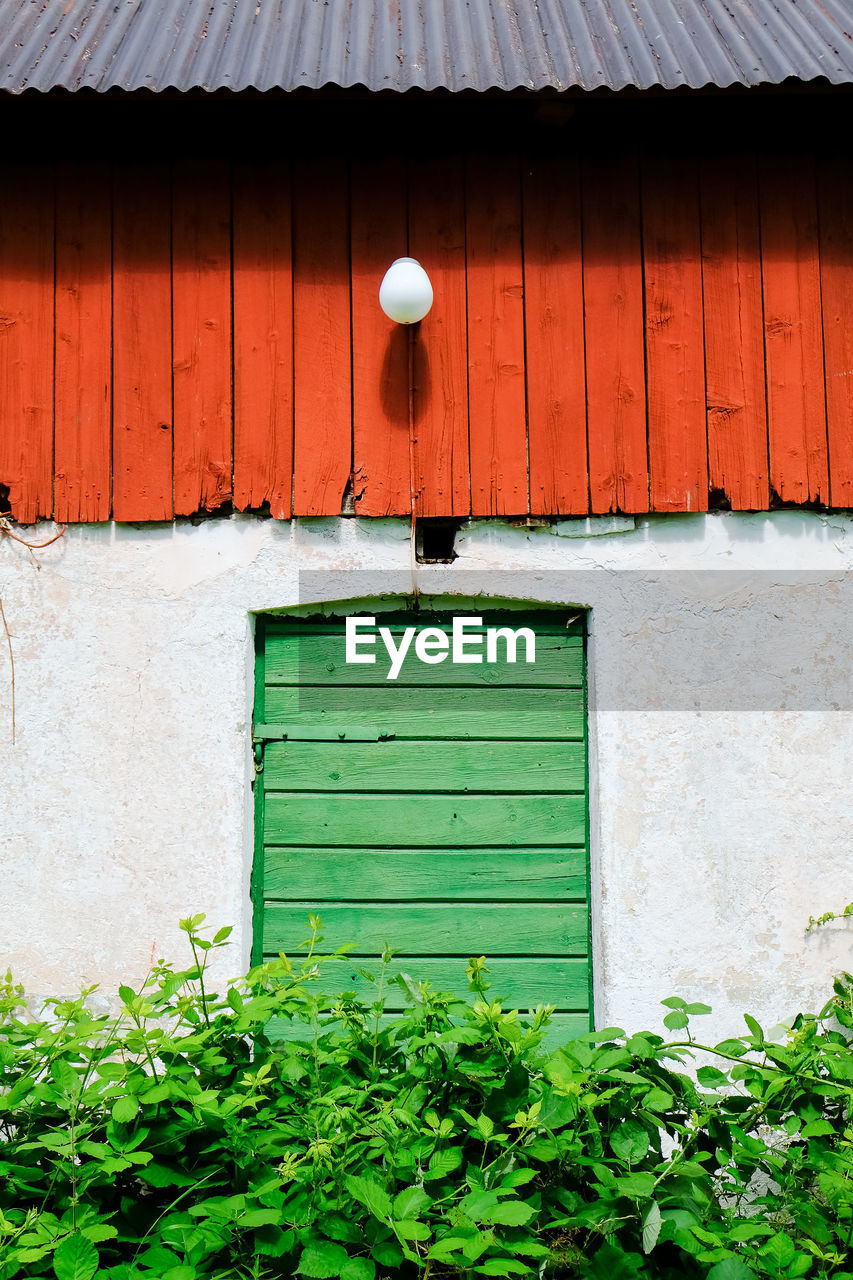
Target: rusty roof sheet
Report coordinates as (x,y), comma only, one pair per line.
(426,44)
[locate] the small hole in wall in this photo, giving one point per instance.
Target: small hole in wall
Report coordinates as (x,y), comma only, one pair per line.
(434,539)
(719,500)
(4,499)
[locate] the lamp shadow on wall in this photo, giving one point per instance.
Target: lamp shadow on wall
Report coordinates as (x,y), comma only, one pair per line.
(396,371)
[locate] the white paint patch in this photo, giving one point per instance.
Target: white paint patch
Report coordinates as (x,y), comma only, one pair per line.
(720,649)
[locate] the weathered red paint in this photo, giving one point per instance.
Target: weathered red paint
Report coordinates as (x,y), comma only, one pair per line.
(263,339)
(380,348)
(835,189)
(82,447)
(142,345)
(442,472)
(201,329)
(497,430)
(554,337)
(675,356)
(26,342)
(613,327)
(602,334)
(322,363)
(796,388)
(734,332)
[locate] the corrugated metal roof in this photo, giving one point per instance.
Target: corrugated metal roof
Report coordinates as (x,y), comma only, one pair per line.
(426,44)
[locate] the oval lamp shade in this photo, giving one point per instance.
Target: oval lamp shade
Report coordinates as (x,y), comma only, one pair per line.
(405,294)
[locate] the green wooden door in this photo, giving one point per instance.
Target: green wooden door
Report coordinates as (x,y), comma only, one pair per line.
(443,812)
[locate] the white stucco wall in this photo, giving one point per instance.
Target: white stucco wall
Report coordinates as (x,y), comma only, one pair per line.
(721,738)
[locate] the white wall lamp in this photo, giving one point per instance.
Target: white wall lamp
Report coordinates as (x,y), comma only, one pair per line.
(405,294)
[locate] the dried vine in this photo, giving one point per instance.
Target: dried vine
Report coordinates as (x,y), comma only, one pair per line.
(6,529)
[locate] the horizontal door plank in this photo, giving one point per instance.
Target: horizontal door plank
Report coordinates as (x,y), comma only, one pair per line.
(315,875)
(440,821)
(321,660)
(562,1028)
(434,713)
(424,766)
(433,928)
(559,622)
(520,983)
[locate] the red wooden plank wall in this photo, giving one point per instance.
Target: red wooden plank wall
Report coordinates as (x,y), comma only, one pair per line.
(617,332)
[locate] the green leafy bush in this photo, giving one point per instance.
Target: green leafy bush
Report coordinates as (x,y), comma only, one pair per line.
(183,1137)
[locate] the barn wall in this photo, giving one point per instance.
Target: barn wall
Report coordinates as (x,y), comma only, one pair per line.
(615,329)
(720,731)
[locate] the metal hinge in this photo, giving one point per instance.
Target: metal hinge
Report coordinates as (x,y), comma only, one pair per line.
(264,733)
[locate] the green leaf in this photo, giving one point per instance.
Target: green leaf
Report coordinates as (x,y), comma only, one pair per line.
(709,1237)
(696,1010)
(322,1259)
(111,1070)
(387,1253)
(369,1193)
(443,1162)
(779,1249)
(657,1100)
(158,1259)
(630,1142)
(755,1029)
(445,1248)
(409,1229)
(543,1149)
(503,1267)
(65,1076)
(558,1110)
(651,1227)
(160,1175)
(676,1021)
(358,1269)
(261,1218)
(674,1002)
(338,1227)
(159,1093)
(31,1255)
(636,1185)
(711,1077)
(610,1263)
(99,1231)
(747,1231)
(479,1203)
(272,1242)
(409,988)
(817,1129)
(127,994)
(475,1246)
(76,1258)
(530,1249)
(510,1213)
(517,1178)
(191,923)
(731,1269)
(736,1048)
(411,1202)
(124,1109)
(181,1272)
(485,1125)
